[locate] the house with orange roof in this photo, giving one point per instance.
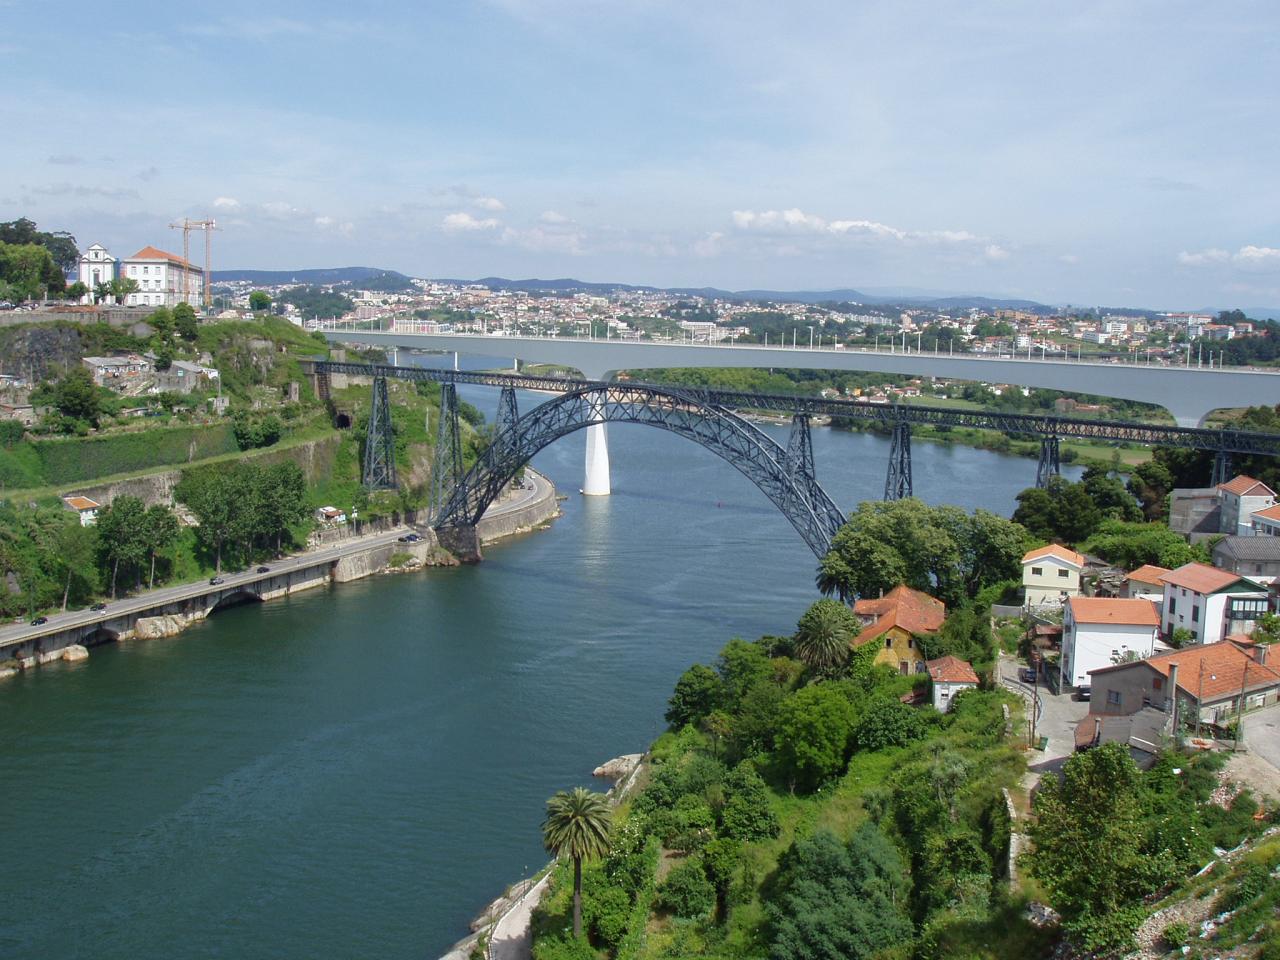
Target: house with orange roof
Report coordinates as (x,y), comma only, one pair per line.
(895,622)
(86,508)
(1145,582)
(1239,499)
(1211,603)
(164,279)
(1266,523)
(1209,682)
(1100,631)
(950,677)
(1050,575)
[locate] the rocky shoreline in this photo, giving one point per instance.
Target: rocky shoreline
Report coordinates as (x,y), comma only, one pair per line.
(623,771)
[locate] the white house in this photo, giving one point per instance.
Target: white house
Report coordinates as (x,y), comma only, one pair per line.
(164,279)
(1147,582)
(1239,499)
(88,509)
(1266,523)
(96,266)
(1050,575)
(950,676)
(1211,603)
(1100,631)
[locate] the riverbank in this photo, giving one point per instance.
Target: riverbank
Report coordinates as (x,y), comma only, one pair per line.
(169,611)
(502,930)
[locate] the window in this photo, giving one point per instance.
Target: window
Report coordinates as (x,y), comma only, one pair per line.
(1157,683)
(1113,697)
(1257,568)
(1195,614)
(1064,573)
(1173,605)
(1037,571)
(911,643)
(888,643)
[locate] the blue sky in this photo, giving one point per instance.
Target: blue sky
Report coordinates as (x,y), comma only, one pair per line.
(1086,152)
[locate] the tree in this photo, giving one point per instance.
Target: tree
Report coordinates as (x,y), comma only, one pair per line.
(747,814)
(1062,511)
(76,291)
(577,826)
(76,396)
(695,696)
(1089,835)
(259,300)
(825,635)
(1130,545)
(122,537)
(72,558)
(212,496)
(1268,629)
(29,270)
(122,287)
(1151,483)
(101,291)
(887,722)
(686,891)
(839,901)
(813,734)
(159,530)
(184,321)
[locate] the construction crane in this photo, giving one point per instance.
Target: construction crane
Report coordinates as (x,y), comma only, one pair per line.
(186,226)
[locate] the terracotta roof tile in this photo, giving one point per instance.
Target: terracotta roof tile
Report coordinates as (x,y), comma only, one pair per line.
(1055,550)
(1147,573)
(1201,577)
(1243,486)
(1137,612)
(154,253)
(912,610)
(951,669)
(1212,670)
(1270,513)
(80,503)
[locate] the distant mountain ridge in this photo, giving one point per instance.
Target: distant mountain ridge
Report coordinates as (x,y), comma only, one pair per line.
(316,275)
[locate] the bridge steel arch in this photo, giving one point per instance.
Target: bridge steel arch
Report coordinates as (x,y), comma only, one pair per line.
(792,487)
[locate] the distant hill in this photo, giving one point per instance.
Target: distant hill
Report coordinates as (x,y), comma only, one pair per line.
(322,275)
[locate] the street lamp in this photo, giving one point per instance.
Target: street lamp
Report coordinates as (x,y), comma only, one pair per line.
(811,338)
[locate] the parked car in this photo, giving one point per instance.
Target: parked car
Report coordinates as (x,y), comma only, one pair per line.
(412,538)
(264,569)
(1027,675)
(214,581)
(403,539)
(39,620)
(1084,693)
(98,607)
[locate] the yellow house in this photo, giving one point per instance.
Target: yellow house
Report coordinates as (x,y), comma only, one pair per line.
(894,621)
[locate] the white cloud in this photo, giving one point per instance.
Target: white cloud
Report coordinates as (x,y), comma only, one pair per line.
(708,246)
(280,209)
(1069,258)
(490,203)
(995,252)
(226,203)
(553,216)
(465,222)
(795,220)
(548,239)
(324,221)
(1249,257)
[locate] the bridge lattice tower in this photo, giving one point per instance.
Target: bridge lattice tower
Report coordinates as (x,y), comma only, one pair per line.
(897,482)
(800,447)
(447,469)
(1050,464)
(1221,467)
(379,442)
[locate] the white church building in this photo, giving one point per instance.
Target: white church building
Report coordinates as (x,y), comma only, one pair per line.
(164,279)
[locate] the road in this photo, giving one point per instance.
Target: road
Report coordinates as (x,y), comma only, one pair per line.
(1262,734)
(536,486)
(1058,714)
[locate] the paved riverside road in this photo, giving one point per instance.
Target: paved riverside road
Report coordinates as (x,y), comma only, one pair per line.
(535,486)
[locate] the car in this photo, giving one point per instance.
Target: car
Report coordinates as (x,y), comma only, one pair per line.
(1084,693)
(1027,675)
(39,621)
(214,581)
(264,569)
(412,538)
(98,607)
(404,539)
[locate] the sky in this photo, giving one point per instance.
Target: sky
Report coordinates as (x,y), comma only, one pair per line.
(1094,153)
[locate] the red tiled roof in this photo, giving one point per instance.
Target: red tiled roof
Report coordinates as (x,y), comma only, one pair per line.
(154,253)
(1270,513)
(1200,577)
(1243,486)
(903,607)
(1054,550)
(1138,613)
(1147,573)
(1209,671)
(80,503)
(951,669)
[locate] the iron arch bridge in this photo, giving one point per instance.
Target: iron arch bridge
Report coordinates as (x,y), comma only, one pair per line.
(785,476)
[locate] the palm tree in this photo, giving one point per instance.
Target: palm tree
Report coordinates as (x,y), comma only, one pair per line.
(577,826)
(825,635)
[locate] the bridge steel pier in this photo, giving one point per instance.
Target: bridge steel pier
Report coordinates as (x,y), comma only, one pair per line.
(1221,467)
(379,442)
(446,465)
(897,482)
(1050,464)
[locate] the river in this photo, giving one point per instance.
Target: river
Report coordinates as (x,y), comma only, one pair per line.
(354,772)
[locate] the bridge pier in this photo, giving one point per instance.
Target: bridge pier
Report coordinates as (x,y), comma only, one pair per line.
(1050,465)
(1221,467)
(462,540)
(596,481)
(897,482)
(379,443)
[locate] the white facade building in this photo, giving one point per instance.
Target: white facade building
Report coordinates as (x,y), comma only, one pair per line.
(96,266)
(164,279)
(1239,500)
(1050,575)
(1100,631)
(1211,603)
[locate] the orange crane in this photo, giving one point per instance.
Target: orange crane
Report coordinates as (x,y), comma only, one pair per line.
(186,226)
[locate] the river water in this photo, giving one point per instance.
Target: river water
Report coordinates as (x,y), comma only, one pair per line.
(355,771)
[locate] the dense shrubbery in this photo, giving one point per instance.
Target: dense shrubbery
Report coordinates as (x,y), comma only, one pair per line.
(75,461)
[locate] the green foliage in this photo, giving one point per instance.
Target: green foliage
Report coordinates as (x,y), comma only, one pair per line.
(747,814)
(244,506)
(564,948)
(1175,934)
(259,300)
(1062,512)
(314,302)
(686,891)
(887,723)
(11,432)
(839,901)
(577,827)
(696,694)
(1130,545)
(825,635)
(184,321)
(941,550)
(814,727)
(254,432)
(75,461)
(28,270)
(60,244)
(76,396)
